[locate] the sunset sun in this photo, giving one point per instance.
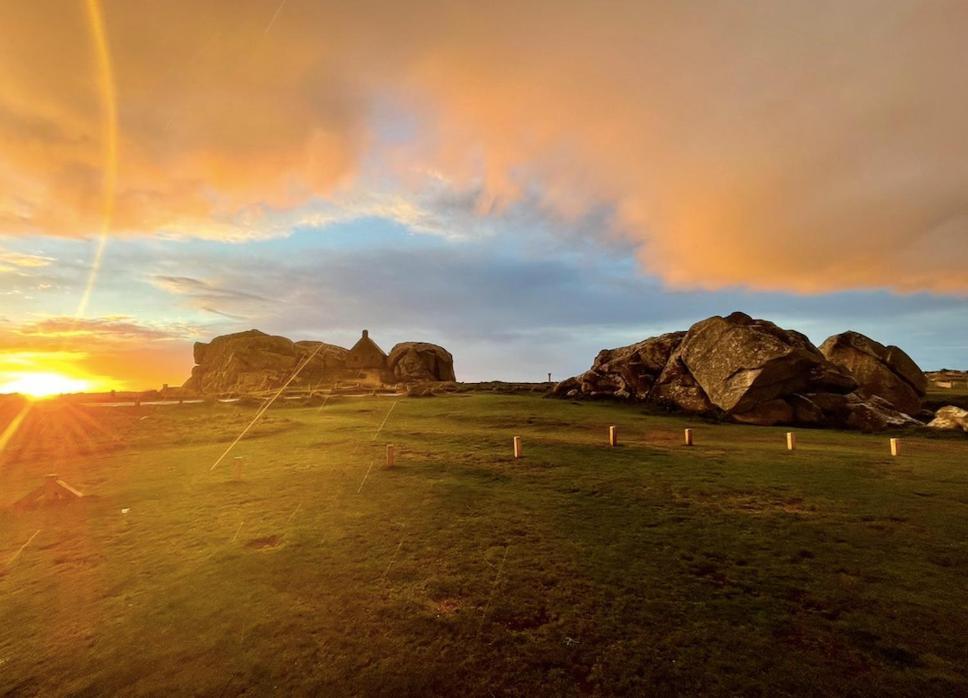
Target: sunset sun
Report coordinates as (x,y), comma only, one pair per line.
(42,385)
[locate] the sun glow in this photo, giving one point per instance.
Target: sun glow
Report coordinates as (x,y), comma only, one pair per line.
(42,385)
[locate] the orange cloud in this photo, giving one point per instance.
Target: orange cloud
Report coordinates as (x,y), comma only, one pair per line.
(799,146)
(108,352)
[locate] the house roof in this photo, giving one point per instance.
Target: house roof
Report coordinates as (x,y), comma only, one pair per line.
(366,345)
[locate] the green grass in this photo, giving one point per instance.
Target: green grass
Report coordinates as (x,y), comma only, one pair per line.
(733,567)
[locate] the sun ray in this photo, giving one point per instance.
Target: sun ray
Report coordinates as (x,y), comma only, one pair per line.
(93,425)
(11,429)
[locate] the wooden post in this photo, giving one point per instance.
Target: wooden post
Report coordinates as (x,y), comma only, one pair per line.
(688,435)
(895,447)
(613,436)
(791,441)
(238,467)
(391,456)
(517,447)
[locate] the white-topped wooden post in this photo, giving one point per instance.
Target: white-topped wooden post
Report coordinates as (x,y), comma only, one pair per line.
(791,441)
(688,437)
(613,436)
(391,455)
(517,446)
(895,447)
(238,467)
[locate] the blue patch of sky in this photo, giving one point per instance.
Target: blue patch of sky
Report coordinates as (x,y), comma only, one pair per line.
(512,305)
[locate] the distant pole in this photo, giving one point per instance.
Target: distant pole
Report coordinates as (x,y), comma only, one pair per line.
(613,436)
(895,447)
(791,441)
(391,456)
(517,447)
(688,437)
(549,377)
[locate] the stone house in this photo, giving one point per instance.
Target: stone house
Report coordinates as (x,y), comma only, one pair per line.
(366,354)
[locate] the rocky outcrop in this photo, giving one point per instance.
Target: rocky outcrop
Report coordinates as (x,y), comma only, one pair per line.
(950,417)
(251,361)
(421,361)
(254,361)
(750,371)
(885,372)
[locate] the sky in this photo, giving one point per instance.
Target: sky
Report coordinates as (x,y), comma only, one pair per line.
(524,183)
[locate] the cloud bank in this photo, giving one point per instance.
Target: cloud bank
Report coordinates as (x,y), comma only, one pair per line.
(800,146)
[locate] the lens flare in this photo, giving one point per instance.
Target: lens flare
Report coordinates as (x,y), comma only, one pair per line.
(109,118)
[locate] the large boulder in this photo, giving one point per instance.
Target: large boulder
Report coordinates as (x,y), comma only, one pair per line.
(950,417)
(885,372)
(253,360)
(627,372)
(873,413)
(421,361)
(742,363)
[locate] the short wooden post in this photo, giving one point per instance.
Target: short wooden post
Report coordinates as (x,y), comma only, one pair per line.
(517,447)
(391,456)
(895,447)
(238,467)
(688,435)
(613,436)
(791,441)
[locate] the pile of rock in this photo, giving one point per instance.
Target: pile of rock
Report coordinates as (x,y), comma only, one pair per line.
(951,418)
(253,361)
(752,371)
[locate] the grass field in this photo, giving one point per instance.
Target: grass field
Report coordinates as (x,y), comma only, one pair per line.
(733,567)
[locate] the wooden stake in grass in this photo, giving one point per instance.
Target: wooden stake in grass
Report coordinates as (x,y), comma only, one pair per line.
(238,467)
(391,456)
(53,491)
(895,447)
(688,437)
(517,447)
(791,441)
(613,436)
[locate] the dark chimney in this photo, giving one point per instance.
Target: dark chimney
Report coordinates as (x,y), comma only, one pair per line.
(366,333)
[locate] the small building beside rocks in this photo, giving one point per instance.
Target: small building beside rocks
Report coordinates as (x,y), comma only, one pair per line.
(366,354)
